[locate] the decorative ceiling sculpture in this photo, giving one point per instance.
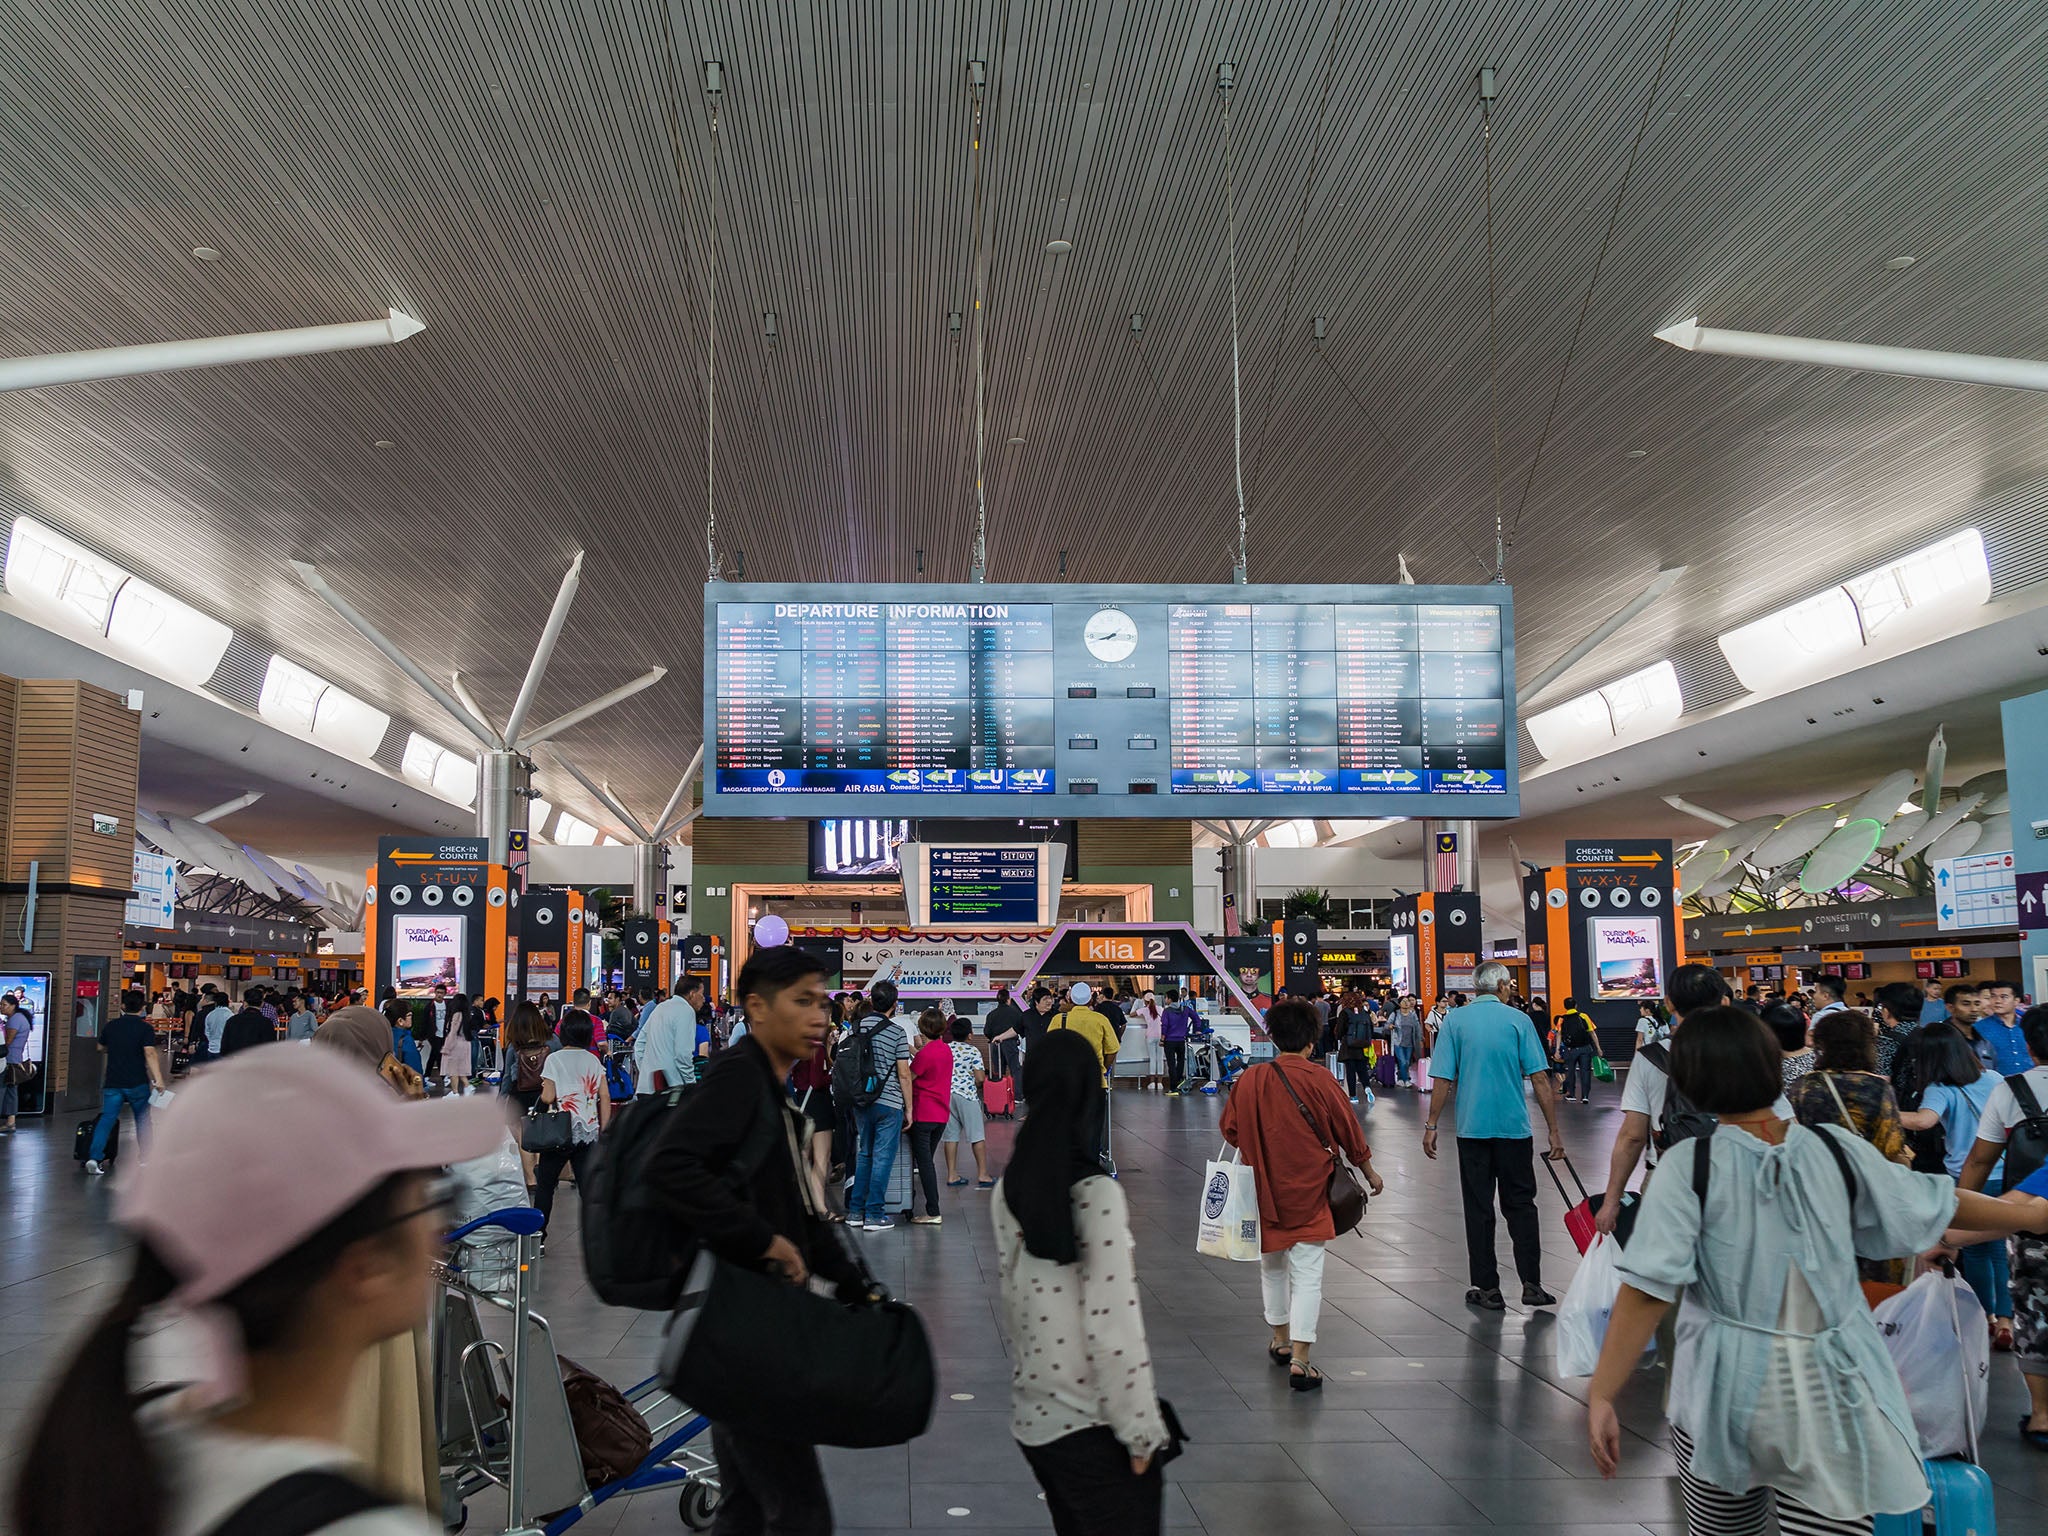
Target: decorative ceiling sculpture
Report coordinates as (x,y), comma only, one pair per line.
(1881,842)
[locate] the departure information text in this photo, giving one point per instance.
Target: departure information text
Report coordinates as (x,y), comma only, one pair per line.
(1353,701)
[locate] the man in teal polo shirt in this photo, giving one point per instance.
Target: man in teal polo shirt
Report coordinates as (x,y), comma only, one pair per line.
(1484,1052)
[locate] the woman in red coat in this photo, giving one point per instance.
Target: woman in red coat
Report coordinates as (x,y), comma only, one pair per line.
(1264,1121)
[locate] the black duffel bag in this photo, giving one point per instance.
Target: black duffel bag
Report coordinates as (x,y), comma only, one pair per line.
(764,1357)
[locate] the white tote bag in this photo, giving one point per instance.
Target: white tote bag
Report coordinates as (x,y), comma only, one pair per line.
(1935,1331)
(1229,1227)
(1588,1304)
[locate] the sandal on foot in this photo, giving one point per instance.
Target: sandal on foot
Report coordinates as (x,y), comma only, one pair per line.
(2001,1334)
(1305,1379)
(1283,1354)
(2037,1438)
(985,1184)
(956,1183)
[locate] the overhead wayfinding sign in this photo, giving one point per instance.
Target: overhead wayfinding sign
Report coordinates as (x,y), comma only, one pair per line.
(1110,700)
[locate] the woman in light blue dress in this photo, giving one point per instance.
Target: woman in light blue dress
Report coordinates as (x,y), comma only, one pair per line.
(1783,1398)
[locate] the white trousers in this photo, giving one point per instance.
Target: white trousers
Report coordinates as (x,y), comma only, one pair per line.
(1291,1286)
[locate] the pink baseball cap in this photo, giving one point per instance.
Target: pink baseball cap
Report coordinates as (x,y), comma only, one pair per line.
(267,1147)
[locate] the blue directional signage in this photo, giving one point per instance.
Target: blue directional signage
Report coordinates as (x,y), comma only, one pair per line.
(1300,701)
(993,886)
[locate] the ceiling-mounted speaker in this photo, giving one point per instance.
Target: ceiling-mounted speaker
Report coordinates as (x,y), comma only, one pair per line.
(1881,803)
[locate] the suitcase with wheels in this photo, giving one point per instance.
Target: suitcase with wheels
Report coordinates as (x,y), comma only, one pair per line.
(81,1141)
(1384,1074)
(1961,1504)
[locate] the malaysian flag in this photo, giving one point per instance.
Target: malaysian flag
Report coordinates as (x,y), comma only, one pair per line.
(1446,862)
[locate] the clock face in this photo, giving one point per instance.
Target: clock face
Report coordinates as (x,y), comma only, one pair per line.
(1110,635)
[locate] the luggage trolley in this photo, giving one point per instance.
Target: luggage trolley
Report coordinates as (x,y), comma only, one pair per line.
(502,1415)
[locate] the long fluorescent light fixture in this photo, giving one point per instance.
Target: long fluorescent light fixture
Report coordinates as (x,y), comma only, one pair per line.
(205,352)
(1630,708)
(1911,362)
(69,583)
(1891,608)
(303,701)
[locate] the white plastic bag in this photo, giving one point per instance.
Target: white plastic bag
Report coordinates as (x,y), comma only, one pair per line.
(160,1098)
(494,1182)
(1583,1314)
(1936,1332)
(1229,1227)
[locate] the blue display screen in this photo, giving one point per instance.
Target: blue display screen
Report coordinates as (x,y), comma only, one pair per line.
(1110,700)
(984,885)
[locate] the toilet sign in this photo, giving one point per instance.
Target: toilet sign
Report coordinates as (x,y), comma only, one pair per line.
(2032,893)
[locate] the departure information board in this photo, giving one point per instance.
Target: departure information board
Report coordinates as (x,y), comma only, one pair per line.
(1113,701)
(993,887)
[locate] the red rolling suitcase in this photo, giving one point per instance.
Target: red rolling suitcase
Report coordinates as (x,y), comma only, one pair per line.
(1578,1219)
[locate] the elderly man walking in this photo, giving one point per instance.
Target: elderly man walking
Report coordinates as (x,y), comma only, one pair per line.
(1484,1052)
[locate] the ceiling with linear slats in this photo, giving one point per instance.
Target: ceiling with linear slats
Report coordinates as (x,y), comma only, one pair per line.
(538,183)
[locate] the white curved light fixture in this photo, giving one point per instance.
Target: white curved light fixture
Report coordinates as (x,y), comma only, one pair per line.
(63,579)
(1912,362)
(204,352)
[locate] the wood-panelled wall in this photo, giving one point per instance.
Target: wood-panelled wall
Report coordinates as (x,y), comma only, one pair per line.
(1133,841)
(741,840)
(73,751)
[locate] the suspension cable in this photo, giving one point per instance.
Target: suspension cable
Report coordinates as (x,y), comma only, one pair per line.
(1500,549)
(977,83)
(714,86)
(1226,81)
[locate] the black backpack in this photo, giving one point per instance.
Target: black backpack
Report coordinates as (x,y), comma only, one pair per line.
(635,1252)
(854,1078)
(1682,1119)
(2026,1149)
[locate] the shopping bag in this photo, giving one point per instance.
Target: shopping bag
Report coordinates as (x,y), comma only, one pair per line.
(1583,1314)
(1935,1330)
(1603,1069)
(1229,1227)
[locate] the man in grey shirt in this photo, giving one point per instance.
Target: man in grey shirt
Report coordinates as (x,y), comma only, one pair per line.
(217,1015)
(879,1125)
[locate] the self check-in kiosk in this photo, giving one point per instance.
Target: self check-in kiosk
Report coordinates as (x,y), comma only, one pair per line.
(1602,927)
(1433,945)
(552,954)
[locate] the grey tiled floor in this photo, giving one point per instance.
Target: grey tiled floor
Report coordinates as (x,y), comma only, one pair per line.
(1436,1418)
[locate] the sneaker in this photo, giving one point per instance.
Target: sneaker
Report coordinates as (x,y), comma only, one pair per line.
(1173,1093)
(1354,1098)
(878,1226)
(1536,1296)
(93,1167)
(926,1221)
(1491,1300)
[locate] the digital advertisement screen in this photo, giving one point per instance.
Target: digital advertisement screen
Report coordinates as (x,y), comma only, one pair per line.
(1401,963)
(857,848)
(31,990)
(1112,700)
(1626,956)
(426,951)
(996,887)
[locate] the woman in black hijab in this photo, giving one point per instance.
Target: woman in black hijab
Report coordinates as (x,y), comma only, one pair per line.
(1083,1406)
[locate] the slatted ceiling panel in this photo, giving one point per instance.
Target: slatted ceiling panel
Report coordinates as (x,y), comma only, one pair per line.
(506,173)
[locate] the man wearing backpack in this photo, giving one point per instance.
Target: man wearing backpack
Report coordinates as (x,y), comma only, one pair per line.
(727,1169)
(1653,1116)
(2015,1127)
(1174,1025)
(871,1086)
(1577,1047)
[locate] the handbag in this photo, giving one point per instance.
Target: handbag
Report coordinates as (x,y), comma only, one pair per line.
(19,1072)
(1346,1191)
(1603,1069)
(761,1356)
(547,1130)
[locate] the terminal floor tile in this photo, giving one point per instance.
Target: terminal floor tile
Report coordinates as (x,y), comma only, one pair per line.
(1436,1417)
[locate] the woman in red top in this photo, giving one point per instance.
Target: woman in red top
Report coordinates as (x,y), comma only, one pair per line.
(931,1098)
(1265,1122)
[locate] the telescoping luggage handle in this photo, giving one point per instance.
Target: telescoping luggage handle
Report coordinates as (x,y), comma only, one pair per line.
(1551,1163)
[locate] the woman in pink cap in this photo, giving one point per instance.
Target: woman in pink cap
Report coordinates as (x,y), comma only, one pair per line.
(289,1269)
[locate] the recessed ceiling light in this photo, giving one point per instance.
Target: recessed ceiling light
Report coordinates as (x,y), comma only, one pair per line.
(1638,453)
(1900,263)
(206,253)
(1058,247)
(385,442)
